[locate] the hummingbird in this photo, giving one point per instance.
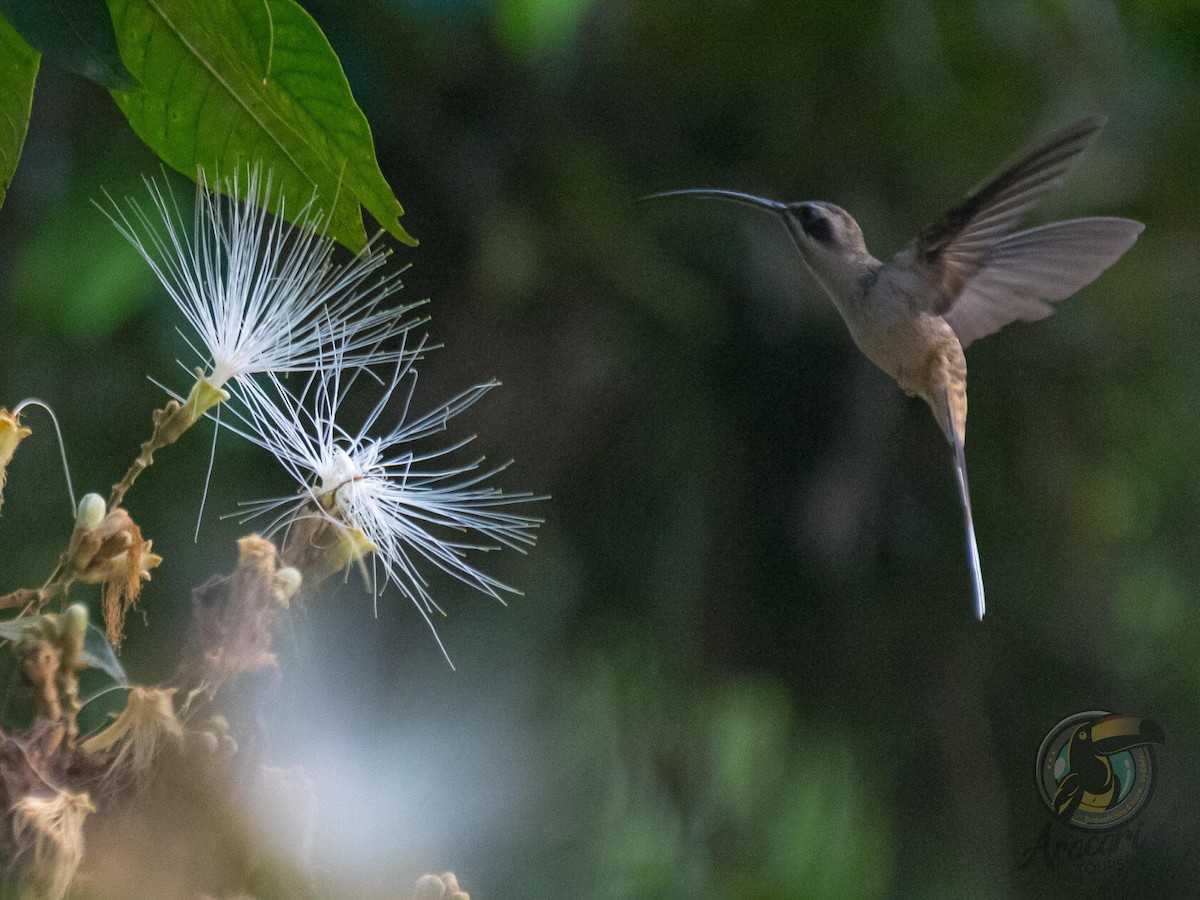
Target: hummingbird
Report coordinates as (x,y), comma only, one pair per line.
(966,275)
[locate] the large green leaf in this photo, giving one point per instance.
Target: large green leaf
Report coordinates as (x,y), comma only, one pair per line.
(18,71)
(74,34)
(226,82)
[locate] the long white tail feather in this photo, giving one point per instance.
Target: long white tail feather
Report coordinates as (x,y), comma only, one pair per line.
(964,492)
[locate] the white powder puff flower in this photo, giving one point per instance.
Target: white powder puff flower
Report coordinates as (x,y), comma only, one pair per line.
(260,294)
(371,490)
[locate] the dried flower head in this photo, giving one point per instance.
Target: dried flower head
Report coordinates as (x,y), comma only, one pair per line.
(374,491)
(139,734)
(260,294)
(48,832)
(12,432)
(113,554)
(234,619)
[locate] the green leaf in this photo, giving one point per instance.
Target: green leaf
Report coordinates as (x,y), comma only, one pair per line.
(74,34)
(226,82)
(18,71)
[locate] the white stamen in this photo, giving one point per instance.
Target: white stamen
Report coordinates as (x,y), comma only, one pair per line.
(413,512)
(261,294)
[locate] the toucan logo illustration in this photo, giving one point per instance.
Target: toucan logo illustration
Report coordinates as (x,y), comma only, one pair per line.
(1096,769)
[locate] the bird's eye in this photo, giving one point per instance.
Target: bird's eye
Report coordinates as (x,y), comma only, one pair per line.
(815,224)
(1083,735)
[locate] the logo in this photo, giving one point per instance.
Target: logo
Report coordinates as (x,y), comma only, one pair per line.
(1095,770)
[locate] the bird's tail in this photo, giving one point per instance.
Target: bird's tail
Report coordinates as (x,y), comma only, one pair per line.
(964,492)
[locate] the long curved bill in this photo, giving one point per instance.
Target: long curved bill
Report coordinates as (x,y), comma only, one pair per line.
(717,194)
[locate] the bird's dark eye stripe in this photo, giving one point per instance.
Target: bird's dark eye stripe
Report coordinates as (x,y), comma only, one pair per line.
(817,227)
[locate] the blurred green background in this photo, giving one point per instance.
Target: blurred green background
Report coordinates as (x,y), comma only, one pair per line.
(745,665)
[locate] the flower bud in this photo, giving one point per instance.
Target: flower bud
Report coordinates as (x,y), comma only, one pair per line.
(72,626)
(284,585)
(91,512)
(203,396)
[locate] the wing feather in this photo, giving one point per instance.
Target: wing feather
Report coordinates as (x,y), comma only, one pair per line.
(1027,271)
(951,250)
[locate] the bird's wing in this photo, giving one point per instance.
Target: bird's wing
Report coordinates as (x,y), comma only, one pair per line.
(1027,271)
(950,251)
(1068,797)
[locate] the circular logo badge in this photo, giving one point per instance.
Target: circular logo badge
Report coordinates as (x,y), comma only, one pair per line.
(1095,770)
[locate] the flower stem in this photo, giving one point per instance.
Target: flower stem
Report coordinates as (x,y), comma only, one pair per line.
(34,599)
(170,423)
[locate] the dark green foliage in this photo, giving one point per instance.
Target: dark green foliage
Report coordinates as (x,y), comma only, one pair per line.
(211,86)
(18,70)
(74,34)
(227,81)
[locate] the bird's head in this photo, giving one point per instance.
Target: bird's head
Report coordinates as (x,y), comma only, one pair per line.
(1112,734)
(825,229)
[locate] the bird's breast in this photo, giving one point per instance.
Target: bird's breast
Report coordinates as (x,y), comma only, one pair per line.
(919,350)
(907,347)
(887,318)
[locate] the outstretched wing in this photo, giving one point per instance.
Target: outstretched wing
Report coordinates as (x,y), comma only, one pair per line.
(951,251)
(1027,271)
